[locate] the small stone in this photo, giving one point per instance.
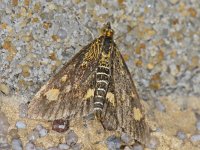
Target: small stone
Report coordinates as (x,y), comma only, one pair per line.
(160,56)
(25,70)
(47,25)
(39,127)
(150,66)
(55,37)
(4,146)
(173,69)
(20,125)
(149,33)
(16,144)
(160,106)
(52,56)
(63,146)
(52,94)
(43,132)
(181,135)
(192,12)
(3,140)
(62,34)
(198,125)
(71,138)
(195,61)
(127,148)
(113,143)
(30,146)
(139,48)
(153,143)
(76,146)
(137,147)
(33,136)
(138,63)
(27,38)
(195,138)
(126,138)
(23,110)
(4,88)
(155,81)
(7,45)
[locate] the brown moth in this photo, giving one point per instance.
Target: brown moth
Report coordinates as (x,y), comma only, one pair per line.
(95,81)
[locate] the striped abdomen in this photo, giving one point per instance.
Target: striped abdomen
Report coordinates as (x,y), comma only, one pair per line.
(102,83)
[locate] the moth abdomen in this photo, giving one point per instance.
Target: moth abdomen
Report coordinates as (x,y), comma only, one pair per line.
(102,84)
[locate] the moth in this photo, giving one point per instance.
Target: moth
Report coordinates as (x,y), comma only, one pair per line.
(95,81)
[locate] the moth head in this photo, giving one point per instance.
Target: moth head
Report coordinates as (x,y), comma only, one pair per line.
(107,30)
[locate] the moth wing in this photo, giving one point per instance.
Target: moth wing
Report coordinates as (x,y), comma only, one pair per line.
(109,112)
(130,113)
(62,96)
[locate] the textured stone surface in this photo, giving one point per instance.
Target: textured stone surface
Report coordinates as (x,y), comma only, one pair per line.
(155,41)
(159,41)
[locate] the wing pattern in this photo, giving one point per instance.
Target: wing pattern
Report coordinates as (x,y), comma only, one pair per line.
(62,96)
(130,113)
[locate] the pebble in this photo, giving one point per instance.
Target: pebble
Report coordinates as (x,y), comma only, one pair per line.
(137,147)
(23,109)
(30,146)
(181,135)
(126,138)
(62,33)
(40,130)
(3,141)
(39,127)
(113,143)
(20,125)
(5,146)
(33,136)
(76,146)
(4,88)
(71,138)
(160,106)
(63,146)
(127,148)
(198,125)
(43,132)
(17,144)
(195,138)
(153,143)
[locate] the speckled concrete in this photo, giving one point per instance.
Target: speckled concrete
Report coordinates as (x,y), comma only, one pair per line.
(158,39)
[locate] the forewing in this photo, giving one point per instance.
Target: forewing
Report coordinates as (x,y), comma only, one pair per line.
(130,114)
(62,96)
